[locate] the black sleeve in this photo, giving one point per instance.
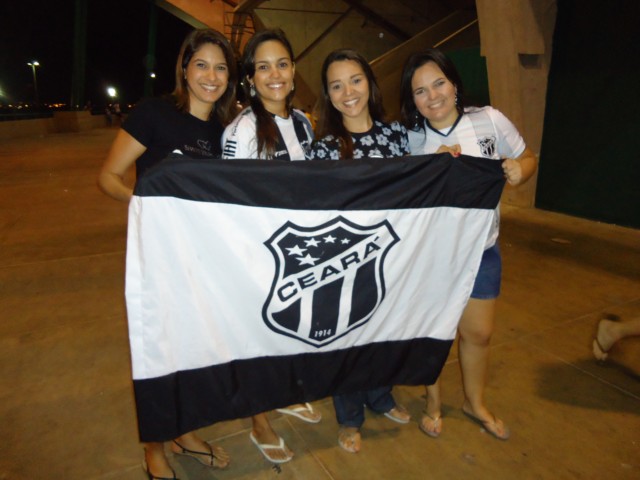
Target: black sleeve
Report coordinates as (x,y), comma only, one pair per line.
(140,122)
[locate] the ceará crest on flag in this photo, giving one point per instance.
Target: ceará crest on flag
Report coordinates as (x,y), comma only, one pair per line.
(328,280)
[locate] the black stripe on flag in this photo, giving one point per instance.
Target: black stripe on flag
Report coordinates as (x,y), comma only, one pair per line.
(223,392)
(365,184)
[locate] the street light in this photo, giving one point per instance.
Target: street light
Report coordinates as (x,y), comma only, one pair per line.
(112,92)
(33,64)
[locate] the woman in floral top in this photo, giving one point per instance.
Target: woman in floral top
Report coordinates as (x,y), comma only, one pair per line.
(352,127)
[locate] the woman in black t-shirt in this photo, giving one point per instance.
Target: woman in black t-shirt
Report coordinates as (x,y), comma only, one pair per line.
(191,122)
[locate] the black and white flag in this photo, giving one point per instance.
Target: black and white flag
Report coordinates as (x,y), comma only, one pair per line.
(256,284)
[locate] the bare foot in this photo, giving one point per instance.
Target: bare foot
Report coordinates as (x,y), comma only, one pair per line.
(488,420)
(349,439)
(276,452)
(431,424)
(398,414)
(209,455)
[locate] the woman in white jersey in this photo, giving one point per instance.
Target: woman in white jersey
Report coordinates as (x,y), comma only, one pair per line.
(433,111)
(352,126)
(270,129)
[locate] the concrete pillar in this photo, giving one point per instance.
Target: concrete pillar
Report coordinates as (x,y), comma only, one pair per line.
(515,38)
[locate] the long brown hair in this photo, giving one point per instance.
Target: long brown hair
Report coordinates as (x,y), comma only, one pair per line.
(266,128)
(191,44)
(330,122)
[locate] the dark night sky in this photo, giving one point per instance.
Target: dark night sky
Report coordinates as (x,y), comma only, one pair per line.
(117,32)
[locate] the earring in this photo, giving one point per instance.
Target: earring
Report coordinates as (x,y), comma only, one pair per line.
(252,90)
(293,87)
(456,99)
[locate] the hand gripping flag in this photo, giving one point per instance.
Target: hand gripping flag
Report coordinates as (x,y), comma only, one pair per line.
(253,284)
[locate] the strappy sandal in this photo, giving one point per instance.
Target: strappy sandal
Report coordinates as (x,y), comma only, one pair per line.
(151,476)
(197,455)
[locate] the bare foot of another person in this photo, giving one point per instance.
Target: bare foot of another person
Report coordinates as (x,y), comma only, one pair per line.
(604,339)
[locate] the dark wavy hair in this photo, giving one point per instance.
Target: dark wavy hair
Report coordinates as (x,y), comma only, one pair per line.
(411,117)
(222,110)
(266,128)
(330,121)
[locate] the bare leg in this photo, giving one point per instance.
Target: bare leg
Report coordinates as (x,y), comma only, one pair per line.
(264,435)
(476,328)
(431,421)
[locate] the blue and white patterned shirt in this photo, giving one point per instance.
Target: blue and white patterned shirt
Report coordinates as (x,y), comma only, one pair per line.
(383,140)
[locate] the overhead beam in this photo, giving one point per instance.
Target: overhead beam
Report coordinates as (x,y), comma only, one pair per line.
(247,6)
(377,19)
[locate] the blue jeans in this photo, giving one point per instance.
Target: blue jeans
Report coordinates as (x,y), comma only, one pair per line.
(350,406)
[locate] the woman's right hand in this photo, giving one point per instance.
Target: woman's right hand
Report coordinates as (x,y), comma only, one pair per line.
(454,150)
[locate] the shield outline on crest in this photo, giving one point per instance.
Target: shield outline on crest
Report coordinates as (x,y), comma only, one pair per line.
(290,227)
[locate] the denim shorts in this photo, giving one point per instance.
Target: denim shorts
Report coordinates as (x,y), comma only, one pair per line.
(487,283)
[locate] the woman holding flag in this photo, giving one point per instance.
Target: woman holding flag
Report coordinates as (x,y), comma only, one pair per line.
(432,97)
(270,129)
(352,126)
(189,122)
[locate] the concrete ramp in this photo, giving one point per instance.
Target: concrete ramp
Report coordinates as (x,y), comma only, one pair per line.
(458,30)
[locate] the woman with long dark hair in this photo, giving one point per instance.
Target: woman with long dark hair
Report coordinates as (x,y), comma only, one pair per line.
(190,121)
(270,129)
(352,126)
(434,111)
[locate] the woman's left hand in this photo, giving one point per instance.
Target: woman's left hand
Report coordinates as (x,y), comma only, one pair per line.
(512,171)
(519,170)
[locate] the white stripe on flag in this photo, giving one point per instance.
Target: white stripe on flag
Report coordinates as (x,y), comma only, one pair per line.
(209,271)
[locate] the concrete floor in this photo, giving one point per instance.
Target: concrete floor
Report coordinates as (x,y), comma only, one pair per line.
(66,405)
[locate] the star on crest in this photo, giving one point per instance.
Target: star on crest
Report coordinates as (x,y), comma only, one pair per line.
(312,242)
(296,250)
(308,260)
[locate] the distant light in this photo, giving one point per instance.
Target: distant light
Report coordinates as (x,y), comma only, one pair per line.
(112,92)
(152,75)
(33,63)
